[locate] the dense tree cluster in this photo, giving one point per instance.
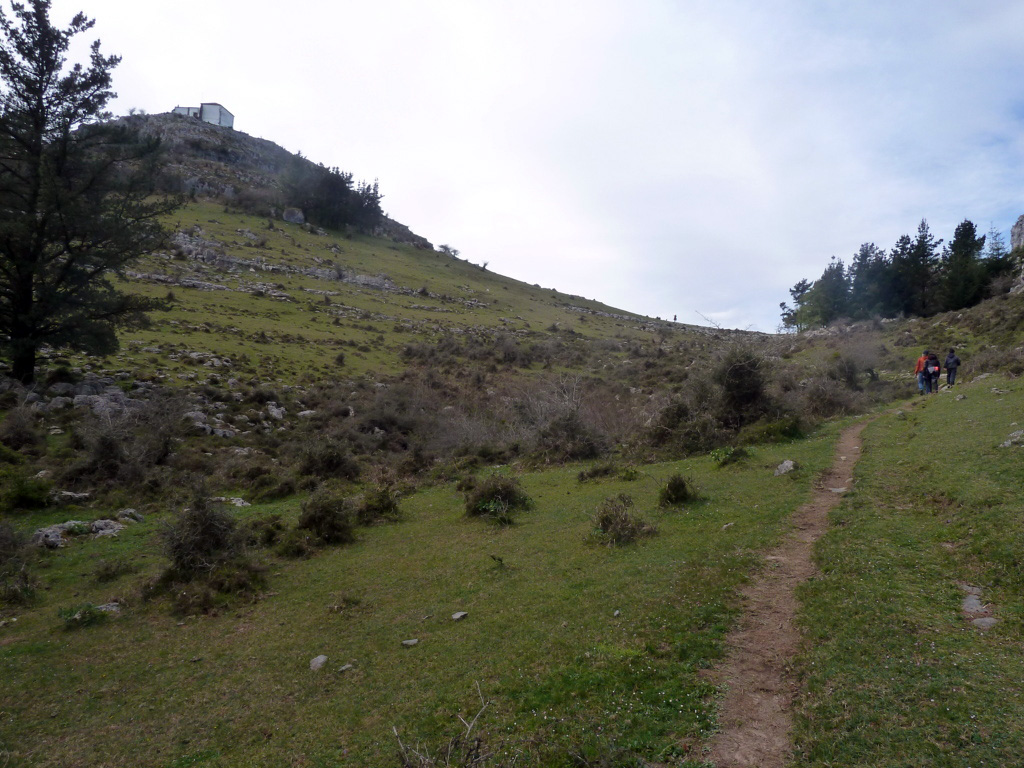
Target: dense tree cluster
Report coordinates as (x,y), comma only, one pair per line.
(918,277)
(329,199)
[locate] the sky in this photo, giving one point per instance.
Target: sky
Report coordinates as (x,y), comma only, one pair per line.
(687,159)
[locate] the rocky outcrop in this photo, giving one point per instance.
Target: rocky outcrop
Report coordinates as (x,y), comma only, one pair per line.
(1017,235)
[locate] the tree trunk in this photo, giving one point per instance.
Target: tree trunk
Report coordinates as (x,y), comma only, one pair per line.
(24,362)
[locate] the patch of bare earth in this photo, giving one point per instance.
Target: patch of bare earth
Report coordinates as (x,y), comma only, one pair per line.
(756,711)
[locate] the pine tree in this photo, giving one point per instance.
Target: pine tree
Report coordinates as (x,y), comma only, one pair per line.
(74,194)
(963,274)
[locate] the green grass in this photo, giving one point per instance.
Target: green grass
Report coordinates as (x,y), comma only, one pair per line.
(563,674)
(297,340)
(893,673)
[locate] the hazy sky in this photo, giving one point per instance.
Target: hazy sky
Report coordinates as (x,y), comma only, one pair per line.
(689,157)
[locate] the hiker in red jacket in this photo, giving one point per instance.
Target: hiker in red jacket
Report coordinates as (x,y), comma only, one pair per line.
(919,372)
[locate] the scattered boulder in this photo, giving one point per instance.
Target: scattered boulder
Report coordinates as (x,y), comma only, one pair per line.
(63,498)
(346,668)
(106,527)
(410,643)
(129,514)
(459,615)
(785,467)
(54,536)
(1016,439)
(317,662)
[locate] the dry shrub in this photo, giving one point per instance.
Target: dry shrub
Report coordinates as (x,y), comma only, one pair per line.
(823,398)
(127,447)
(379,505)
(741,374)
(568,438)
(606,469)
(17,585)
(264,531)
(994,360)
(328,458)
(614,525)
(678,490)
(497,497)
(327,514)
(202,537)
(18,431)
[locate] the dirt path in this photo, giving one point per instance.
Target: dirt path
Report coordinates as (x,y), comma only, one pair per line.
(756,716)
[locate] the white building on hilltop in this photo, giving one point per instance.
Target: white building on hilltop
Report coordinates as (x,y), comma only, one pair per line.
(208,112)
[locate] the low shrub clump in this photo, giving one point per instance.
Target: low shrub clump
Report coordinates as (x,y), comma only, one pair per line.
(17,586)
(20,491)
(110,570)
(498,497)
(328,458)
(202,537)
(780,430)
(379,505)
(727,455)
(295,543)
(328,516)
(678,490)
(79,616)
(598,470)
(265,531)
(614,525)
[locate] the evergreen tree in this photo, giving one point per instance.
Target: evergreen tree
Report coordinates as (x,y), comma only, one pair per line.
(997,259)
(963,276)
(923,265)
(829,297)
(901,278)
(74,194)
(870,283)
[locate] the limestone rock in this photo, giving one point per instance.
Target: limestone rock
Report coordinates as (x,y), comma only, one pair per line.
(459,615)
(317,663)
(106,527)
(1017,234)
(785,467)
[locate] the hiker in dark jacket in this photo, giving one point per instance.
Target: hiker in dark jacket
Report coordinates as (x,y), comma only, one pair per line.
(952,363)
(932,369)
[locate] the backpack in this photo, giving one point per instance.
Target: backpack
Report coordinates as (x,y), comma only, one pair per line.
(931,366)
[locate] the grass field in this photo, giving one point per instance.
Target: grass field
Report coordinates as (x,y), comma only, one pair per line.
(577,648)
(894,674)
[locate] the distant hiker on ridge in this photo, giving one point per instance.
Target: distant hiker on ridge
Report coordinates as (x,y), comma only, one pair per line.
(952,363)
